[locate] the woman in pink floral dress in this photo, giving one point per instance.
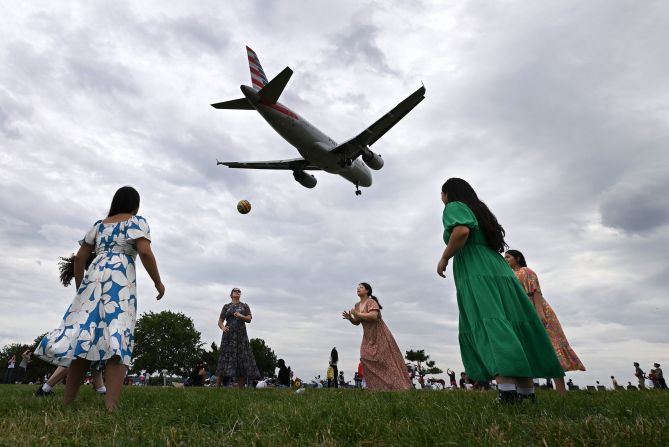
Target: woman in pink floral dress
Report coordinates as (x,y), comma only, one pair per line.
(530,282)
(381,358)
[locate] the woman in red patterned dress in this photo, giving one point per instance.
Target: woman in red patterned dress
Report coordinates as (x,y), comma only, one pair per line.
(381,358)
(530,282)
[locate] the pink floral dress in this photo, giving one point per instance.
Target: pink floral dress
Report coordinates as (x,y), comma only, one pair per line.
(382,361)
(568,358)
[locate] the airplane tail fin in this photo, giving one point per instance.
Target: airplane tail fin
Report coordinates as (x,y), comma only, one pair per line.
(258,78)
(236,104)
(272,90)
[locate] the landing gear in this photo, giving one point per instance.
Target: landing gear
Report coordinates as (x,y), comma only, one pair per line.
(357,190)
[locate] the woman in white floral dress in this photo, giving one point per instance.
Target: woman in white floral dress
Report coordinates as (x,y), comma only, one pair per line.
(99,324)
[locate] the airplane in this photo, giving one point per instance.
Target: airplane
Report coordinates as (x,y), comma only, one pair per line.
(352,159)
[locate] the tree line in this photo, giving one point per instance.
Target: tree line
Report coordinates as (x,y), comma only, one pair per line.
(163,341)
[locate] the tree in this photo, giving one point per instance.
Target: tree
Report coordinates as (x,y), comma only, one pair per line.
(265,357)
(37,368)
(166,340)
(419,357)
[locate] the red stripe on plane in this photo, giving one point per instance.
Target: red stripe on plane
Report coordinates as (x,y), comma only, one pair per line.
(281,109)
(258,83)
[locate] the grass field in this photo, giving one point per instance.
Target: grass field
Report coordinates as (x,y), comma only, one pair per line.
(206,416)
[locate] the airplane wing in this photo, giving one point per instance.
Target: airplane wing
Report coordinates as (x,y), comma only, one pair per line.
(353,147)
(294,164)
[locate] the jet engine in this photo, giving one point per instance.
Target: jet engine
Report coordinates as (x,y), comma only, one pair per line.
(374,161)
(304,179)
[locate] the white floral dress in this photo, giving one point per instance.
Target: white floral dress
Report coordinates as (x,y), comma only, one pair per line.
(100,322)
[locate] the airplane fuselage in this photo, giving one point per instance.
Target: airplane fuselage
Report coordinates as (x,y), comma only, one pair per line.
(312,144)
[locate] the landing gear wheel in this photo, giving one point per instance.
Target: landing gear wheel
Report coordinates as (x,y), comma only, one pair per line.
(357,190)
(348,162)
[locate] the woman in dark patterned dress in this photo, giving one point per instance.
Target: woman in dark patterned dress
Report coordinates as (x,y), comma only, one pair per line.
(235,358)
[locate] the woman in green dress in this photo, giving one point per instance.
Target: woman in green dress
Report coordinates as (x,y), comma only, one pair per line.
(501,336)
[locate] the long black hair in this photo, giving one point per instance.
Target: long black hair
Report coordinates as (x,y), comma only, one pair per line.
(126,200)
(459,190)
(66,267)
(334,356)
(518,256)
(369,293)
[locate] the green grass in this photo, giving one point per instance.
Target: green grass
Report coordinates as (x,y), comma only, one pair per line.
(206,416)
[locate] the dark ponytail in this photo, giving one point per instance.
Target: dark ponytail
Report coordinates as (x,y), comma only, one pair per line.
(66,267)
(369,293)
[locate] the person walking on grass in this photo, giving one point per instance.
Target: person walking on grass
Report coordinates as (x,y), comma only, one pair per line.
(9,372)
(382,360)
(660,376)
(530,282)
(640,375)
(329,375)
(99,325)
(235,356)
(22,371)
(451,377)
(501,336)
(334,359)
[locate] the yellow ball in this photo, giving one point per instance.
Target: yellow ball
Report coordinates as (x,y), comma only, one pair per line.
(243,206)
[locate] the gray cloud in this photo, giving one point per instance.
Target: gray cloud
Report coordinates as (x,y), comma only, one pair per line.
(638,204)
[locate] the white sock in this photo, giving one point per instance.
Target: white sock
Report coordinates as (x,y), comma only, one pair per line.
(507,387)
(526,391)
(102,389)
(46,387)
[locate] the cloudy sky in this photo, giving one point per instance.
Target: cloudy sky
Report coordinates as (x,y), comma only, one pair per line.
(555,111)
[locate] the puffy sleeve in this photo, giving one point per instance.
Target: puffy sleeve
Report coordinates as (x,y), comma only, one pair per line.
(455,214)
(529,280)
(90,237)
(138,228)
(224,311)
(247,312)
(372,305)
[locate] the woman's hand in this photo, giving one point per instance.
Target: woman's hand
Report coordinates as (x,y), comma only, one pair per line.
(346,315)
(238,315)
(226,328)
(161,290)
(441,267)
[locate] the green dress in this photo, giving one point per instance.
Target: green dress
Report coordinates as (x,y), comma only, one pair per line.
(500,332)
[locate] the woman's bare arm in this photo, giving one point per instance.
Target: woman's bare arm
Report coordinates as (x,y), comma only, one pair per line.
(458,239)
(367,316)
(80,263)
(149,262)
(348,316)
(538,301)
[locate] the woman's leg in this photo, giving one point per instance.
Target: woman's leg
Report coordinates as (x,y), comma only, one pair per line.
(241,381)
(219,380)
(559,385)
(508,394)
(97,380)
(116,372)
(58,375)
(75,377)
